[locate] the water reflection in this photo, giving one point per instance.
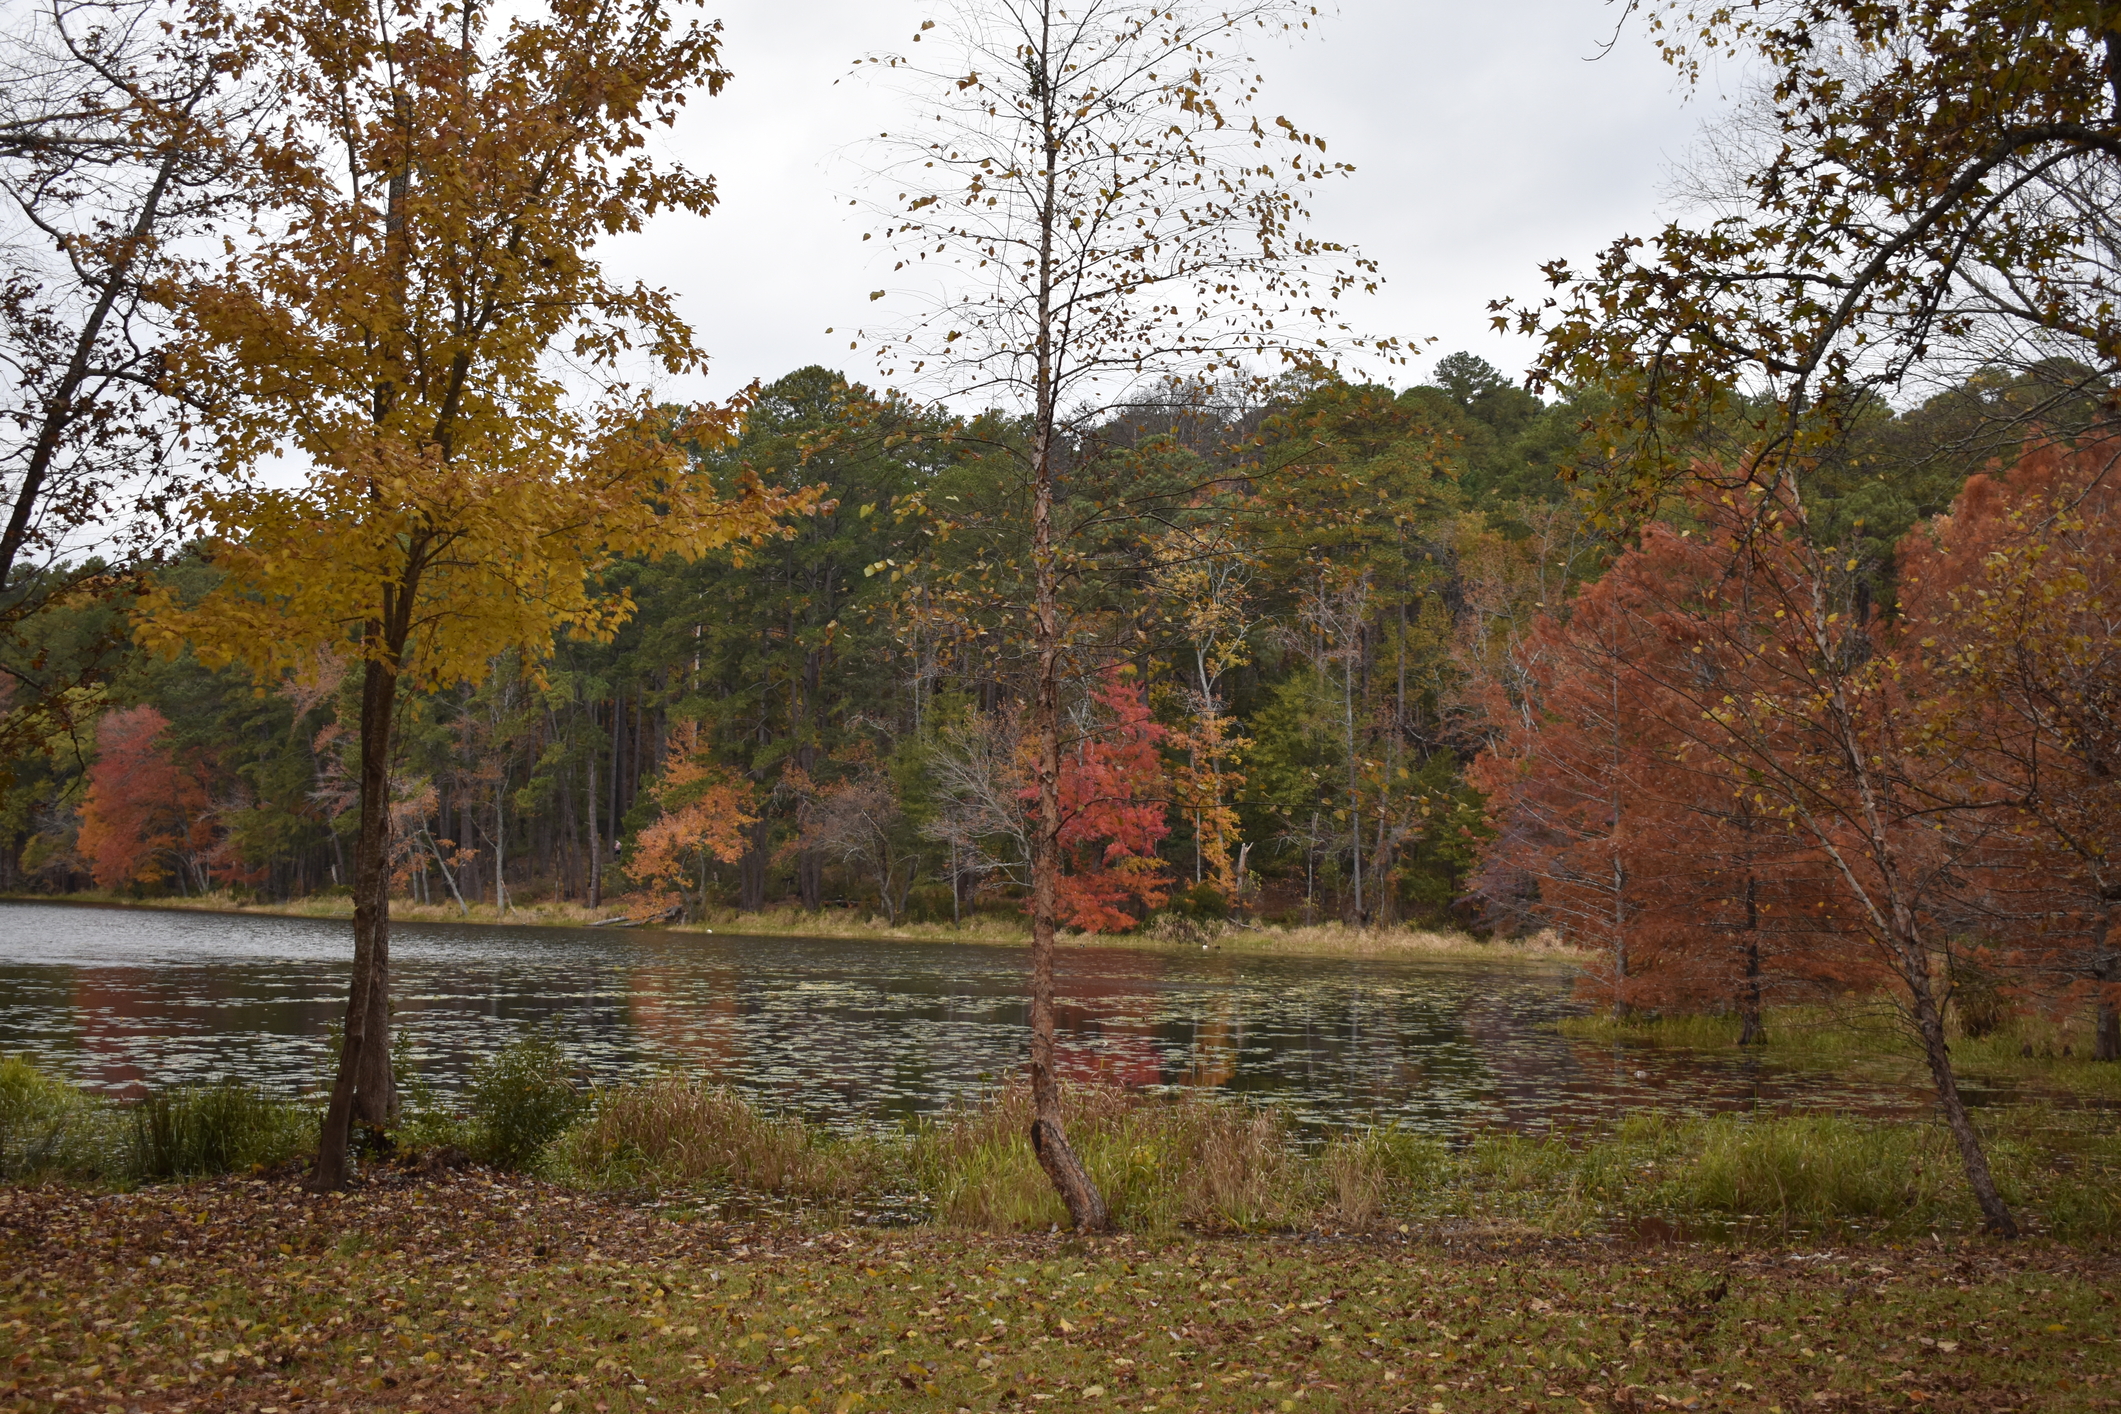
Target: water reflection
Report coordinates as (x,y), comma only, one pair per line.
(847,1032)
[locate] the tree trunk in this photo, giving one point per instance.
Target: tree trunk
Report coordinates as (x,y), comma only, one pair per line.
(2106,1041)
(810,880)
(595,882)
(363,1089)
(1929,1026)
(1750,1030)
(751,873)
(1049,1139)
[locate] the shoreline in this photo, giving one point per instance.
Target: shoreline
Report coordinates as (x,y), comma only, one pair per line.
(1315,940)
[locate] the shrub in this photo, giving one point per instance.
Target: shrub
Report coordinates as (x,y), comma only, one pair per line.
(520,1101)
(1203,902)
(194,1131)
(1977,997)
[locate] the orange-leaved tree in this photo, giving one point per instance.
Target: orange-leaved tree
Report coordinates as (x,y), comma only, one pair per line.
(2015,596)
(702,813)
(390,328)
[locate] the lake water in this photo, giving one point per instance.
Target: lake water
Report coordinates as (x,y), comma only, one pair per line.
(849,1032)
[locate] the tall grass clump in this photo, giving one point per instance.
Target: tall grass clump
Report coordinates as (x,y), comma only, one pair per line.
(520,1101)
(675,1133)
(197,1131)
(1812,1169)
(1160,1163)
(51,1129)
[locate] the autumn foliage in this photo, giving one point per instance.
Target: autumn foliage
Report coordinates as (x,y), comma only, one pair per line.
(145,820)
(1113,814)
(702,814)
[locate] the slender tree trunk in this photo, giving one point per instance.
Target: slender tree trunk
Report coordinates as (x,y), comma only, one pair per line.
(2106,969)
(1354,788)
(596,853)
(1929,1026)
(447,877)
(500,846)
(1049,1138)
(363,1089)
(1750,1030)
(751,873)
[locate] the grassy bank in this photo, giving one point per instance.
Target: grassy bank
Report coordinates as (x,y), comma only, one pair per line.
(1868,1038)
(1325,939)
(1204,1166)
(463,1292)
(1166,1165)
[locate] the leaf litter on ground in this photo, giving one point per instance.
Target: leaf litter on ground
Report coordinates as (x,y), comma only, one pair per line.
(464,1291)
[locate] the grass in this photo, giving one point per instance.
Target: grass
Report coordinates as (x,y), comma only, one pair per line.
(462,1294)
(197,1131)
(52,1131)
(1204,1165)
(1193,1162)
(1866,1037)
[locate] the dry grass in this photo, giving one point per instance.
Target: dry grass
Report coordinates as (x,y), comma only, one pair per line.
(1161,1163)
(679,1133)
(1339,939)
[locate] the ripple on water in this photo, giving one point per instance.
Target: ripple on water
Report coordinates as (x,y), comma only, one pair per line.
(848,1032)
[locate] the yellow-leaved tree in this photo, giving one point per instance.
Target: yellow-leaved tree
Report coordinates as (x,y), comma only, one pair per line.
(388,335)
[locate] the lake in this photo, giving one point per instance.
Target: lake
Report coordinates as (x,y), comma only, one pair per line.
(850,1033)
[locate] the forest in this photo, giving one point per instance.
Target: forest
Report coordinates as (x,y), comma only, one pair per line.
(1317,706)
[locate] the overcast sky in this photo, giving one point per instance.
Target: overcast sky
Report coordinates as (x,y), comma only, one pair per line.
(1485,141)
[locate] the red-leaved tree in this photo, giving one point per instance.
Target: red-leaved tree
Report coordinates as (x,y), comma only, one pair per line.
(1616,828)
(2016,596)
(145,820)
(1762,673)
(1114,813)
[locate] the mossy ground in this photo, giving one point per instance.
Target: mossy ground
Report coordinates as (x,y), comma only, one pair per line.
(467,1291)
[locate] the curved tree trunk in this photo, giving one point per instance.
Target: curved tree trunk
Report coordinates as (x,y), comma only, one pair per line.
(1929,1027)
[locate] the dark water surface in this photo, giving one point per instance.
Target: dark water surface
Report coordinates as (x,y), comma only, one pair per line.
(849,1032)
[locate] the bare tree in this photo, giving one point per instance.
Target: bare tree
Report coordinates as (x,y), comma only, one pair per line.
(861,822)
(1103,217)
(977,777)
(111,119)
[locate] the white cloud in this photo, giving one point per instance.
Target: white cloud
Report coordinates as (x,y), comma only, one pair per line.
(1485,141)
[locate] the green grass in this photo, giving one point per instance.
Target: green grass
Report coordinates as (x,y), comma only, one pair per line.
(52,1131)
(1867,1037)
(196,1131)
(1193,1163)
(1203,1165)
